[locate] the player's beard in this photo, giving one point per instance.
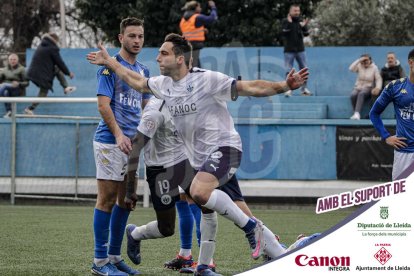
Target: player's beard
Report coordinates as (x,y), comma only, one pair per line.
(130,51)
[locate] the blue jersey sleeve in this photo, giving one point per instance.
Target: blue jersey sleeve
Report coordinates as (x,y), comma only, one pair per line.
(106,80)
(380,104)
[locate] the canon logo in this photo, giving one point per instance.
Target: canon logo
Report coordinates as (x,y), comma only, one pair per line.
(304,260)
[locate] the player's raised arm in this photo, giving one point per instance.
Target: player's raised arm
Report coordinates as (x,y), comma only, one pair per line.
(261,88)
(132,78)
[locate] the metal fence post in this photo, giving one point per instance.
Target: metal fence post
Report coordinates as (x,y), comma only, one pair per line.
(13,155)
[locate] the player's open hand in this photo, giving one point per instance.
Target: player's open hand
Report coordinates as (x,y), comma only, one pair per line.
(396,142)
(99,57)
(131,201)
(124,143)
(296,80)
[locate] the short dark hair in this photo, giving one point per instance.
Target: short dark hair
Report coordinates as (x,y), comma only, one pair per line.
(181,46)
(367,55)
(130,21)
(411,54)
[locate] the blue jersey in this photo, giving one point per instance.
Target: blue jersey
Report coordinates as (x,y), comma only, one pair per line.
(401,94)
(125,101)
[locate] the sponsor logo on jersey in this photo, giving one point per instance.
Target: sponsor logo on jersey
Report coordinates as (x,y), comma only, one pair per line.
(166,199)
(150,125)
(403,91)
(216,155)
(130,98)
(182,109)
(190,87)
(105,72)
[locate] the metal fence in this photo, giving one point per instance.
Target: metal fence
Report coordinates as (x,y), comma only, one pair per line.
(76,120)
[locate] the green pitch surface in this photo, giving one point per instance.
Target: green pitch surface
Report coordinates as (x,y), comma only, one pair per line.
(58,240)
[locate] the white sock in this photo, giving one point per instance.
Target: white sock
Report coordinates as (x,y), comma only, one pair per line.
(272,246)
(184,252)
(220,202)
(148,231)
(100,262)
(114,259)
(208,227)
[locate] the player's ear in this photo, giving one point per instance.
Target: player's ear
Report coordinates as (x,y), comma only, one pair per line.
(180,60)
(120,38)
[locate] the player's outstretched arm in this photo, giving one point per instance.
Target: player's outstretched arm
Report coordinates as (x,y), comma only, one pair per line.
(138,143)
(261,88)
(132,78)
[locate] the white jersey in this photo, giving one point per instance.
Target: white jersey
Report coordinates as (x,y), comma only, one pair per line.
(197,104)
(165,147)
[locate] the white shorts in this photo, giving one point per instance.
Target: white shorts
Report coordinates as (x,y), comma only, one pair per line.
(110,161)
(401,161)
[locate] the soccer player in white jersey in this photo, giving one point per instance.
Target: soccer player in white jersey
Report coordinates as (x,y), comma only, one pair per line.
(166,165)
(120,109)
(196,100)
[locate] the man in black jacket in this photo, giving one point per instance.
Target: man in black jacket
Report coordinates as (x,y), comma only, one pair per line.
(46,64)
(293,31)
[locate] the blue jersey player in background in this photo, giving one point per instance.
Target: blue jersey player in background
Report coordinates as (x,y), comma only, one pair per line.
(401,93)
(120,107)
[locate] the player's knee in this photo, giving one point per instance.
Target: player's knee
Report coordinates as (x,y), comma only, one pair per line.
(166,229)
(106,204)
(199,197)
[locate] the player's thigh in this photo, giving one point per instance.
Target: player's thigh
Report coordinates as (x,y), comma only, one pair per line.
(107,194)
(222,164)
(164,182)
(166,221)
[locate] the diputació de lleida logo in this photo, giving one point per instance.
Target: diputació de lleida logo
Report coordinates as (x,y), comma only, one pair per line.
(384,212)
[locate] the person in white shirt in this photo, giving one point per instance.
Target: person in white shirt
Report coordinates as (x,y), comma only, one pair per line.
(196,100)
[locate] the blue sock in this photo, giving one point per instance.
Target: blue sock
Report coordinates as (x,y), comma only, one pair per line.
(186,221)
(197,217)
(119,220)
(101,221)
(251,224)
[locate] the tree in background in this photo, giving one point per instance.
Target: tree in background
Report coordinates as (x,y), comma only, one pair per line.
(22,21)
(363,23)
(248,22)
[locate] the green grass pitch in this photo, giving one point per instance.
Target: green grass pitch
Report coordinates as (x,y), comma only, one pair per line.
(58,240)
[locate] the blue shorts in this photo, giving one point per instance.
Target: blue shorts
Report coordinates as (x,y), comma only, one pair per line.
(232,188)
(222,163)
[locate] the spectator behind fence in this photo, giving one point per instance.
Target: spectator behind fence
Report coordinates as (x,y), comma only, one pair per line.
(192,26)
(368,82)
(293,31)
(12,81)
(392,70)
(46,64)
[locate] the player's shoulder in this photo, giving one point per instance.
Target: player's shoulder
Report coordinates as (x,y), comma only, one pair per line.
(154,103)
(104,72)
(396,84)
(144,68)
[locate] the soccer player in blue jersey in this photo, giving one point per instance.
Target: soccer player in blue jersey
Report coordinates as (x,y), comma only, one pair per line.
(120,108)
(401,93)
